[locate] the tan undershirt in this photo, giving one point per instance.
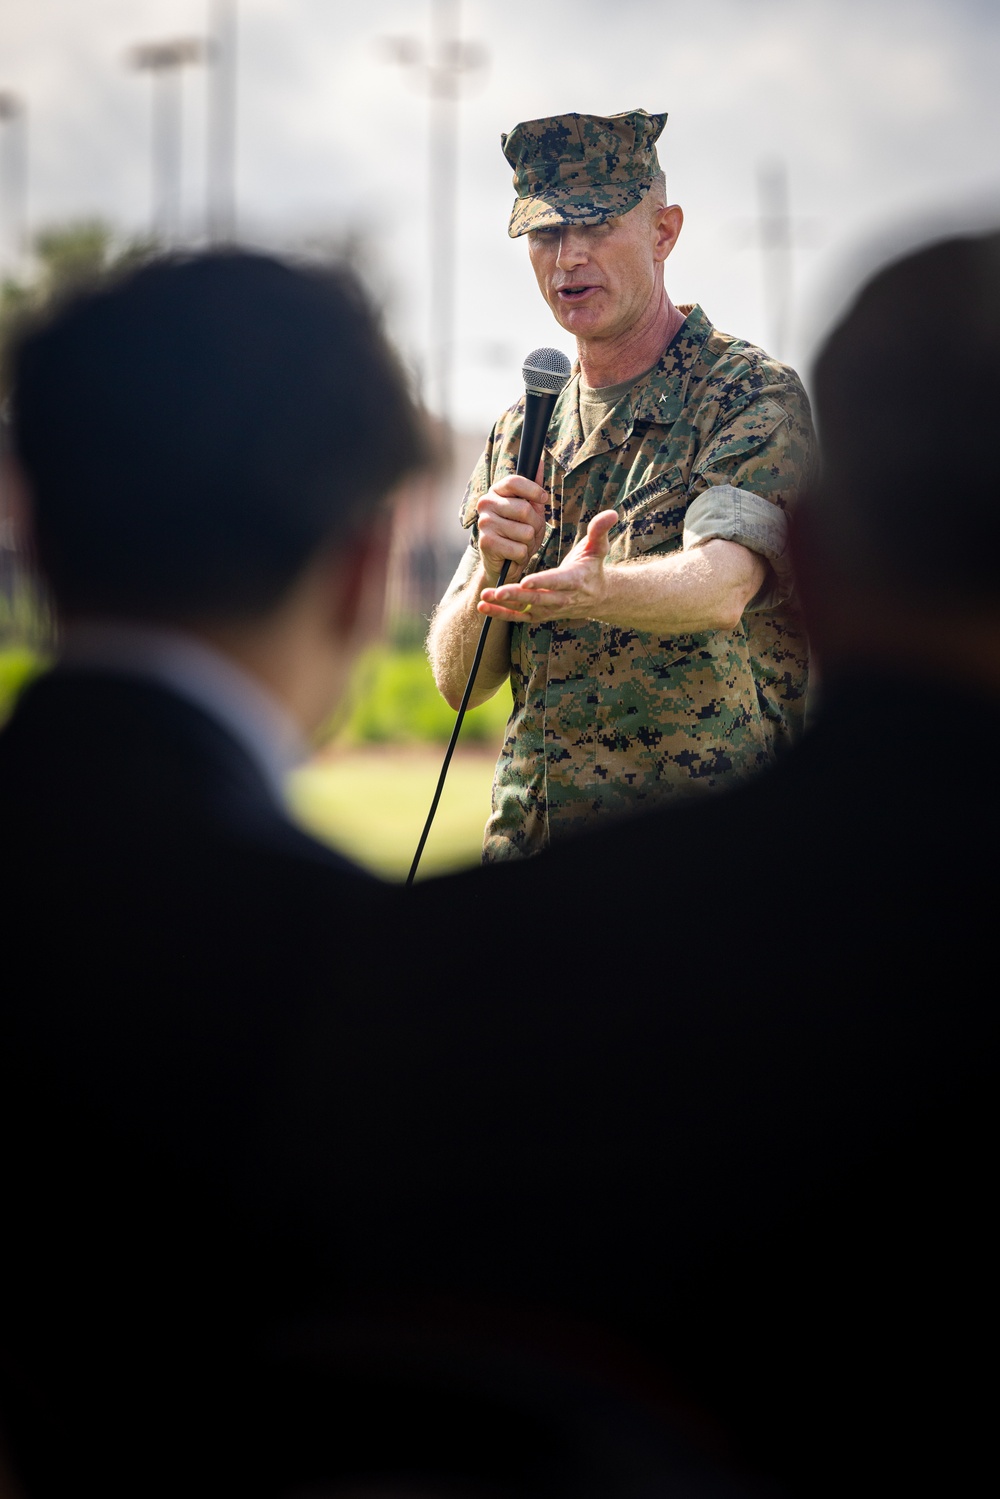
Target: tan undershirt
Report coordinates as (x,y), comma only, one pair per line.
(596,405)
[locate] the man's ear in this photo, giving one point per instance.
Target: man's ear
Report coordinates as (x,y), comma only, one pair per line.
(668,224)
(358,571)
(812,567)
(839,608)
(827,589)
(15,505)
(802,547)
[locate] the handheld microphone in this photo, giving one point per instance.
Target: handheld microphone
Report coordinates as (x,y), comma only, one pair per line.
(545,373)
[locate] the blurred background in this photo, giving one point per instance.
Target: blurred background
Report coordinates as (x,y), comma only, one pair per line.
(804,138)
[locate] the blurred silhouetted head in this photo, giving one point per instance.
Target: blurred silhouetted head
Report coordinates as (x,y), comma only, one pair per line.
(907,395)
(194,434)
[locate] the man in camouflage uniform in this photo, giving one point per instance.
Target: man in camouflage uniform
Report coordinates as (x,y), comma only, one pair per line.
(650,646)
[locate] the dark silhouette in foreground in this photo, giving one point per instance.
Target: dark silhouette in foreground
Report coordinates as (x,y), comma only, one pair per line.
(233,1149)
(754,1039)
(203,450)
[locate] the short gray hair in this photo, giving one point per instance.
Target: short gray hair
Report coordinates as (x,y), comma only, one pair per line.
(657,192)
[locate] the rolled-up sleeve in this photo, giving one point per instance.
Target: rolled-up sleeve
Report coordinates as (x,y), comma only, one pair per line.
(723,512)
(751,471)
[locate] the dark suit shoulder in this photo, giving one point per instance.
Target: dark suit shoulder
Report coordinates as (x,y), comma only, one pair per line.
(147,853)
(105,757)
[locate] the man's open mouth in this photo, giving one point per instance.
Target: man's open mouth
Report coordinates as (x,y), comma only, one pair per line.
(574,293)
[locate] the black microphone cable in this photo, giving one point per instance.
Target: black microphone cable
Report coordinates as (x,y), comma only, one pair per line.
(545,373)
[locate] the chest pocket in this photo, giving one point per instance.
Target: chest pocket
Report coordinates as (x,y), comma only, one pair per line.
(651,518)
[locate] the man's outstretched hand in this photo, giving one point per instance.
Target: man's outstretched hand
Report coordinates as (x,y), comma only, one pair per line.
(576,589)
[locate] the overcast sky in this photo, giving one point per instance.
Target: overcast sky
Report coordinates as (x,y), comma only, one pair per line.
(882,110)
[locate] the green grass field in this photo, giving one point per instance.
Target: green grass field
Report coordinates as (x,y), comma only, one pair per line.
(371,804)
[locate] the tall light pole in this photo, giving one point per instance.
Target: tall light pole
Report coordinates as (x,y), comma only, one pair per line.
(776,243)
(221,164)
(439,70)
(14,179)
(164,61)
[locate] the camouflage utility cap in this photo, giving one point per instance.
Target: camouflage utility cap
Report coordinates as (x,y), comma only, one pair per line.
(580,169)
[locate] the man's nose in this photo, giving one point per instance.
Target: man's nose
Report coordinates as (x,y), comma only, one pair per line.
(572,249)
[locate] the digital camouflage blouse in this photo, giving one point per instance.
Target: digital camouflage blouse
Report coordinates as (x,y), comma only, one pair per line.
(608,720)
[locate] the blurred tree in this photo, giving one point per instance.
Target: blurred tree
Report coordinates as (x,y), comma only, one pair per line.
(71,254)
(66,257)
